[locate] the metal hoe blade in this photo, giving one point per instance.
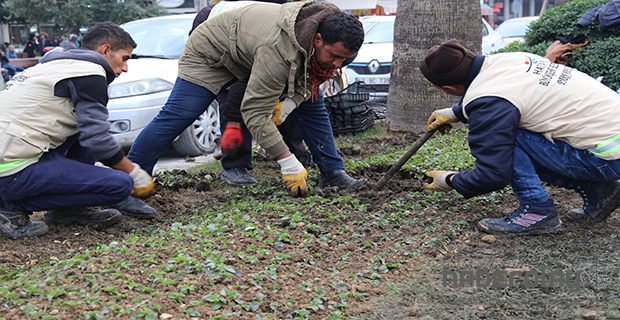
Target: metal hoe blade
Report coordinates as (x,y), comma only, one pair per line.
(401,162)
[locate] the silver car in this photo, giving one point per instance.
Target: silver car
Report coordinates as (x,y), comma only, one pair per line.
(137,95)
(373,63)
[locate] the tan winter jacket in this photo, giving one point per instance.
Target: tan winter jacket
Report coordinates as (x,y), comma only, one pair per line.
(269,44)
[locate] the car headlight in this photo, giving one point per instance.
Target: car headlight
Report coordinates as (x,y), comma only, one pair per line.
(136,88)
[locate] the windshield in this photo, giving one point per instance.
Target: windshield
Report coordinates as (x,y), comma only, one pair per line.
(160,38)
(379,32)
(513,28)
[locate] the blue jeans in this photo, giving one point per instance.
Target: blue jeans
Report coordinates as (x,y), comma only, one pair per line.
(188,101)
(536,159)
(63,178)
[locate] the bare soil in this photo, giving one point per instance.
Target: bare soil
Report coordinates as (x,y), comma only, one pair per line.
(407,287)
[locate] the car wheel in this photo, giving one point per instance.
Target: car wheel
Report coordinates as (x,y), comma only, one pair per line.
(199,138)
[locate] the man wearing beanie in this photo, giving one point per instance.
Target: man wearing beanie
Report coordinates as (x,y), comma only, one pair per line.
(530,120)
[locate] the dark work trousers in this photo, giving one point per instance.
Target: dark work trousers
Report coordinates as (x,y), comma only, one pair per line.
(230,104)
(64,178)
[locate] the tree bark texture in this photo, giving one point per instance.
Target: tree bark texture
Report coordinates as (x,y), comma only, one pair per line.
(421,24)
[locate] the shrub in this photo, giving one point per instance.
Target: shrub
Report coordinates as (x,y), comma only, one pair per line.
(600,58)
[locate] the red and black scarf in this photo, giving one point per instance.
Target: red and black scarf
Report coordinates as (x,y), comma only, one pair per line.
(318,75)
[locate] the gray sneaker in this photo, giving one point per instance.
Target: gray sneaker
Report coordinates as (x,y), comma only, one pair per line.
(238,177)
(15,224)
(95,218)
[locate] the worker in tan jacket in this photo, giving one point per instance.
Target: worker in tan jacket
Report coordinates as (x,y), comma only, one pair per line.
(285,52)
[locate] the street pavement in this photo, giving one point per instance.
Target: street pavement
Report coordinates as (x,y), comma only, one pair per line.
(171,160)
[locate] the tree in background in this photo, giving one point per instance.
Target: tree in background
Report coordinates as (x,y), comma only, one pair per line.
(419,25)
(4,13)
(73,14)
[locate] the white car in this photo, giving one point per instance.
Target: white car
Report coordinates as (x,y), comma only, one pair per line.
(374,60)
(514,29)
(137,96)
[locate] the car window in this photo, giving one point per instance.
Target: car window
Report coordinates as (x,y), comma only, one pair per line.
(164,38)
(380,32)
(513,28)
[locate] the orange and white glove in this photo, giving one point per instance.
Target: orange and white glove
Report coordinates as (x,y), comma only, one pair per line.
(282,110)
(143,184)
(440,180)
(440,118)
(294,175)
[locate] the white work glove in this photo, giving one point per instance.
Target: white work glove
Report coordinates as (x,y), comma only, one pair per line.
(143,184)
(281,110)
(440,118)
(439,180)
(294,175)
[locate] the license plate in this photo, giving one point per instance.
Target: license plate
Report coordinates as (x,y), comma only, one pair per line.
(377,80)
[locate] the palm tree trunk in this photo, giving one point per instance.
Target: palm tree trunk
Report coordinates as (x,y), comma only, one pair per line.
(420,24)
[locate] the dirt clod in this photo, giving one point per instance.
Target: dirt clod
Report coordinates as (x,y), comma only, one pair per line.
(489,238)
(588,314)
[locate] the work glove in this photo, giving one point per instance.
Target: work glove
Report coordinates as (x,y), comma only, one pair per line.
(439,182)
(231,139)
(294,175)
(282,110)
(441,118)
(143,184)
(562,53)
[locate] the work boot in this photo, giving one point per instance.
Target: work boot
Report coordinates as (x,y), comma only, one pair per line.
(134,207)
(538,218)
(338,178)
(599,201)
(85,216)
(16,224)
(238,176)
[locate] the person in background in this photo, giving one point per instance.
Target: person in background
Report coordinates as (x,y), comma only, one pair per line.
(31,46)
(11,53)
(5,63)
(44,42)
(69,43)
(530,120)
(53,127)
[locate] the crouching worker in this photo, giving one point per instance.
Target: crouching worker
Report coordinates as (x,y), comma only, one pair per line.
(53,127)
(530,120)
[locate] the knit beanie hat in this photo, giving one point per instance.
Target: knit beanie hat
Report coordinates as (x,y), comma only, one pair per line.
(447,63)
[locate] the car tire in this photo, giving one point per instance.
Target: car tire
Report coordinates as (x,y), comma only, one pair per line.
(199,138)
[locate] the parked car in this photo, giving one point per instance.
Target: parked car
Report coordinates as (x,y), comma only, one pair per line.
(514,29)
(137,95)
(491,40)
(374,60)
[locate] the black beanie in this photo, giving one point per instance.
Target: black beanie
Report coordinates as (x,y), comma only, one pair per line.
(447,63)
